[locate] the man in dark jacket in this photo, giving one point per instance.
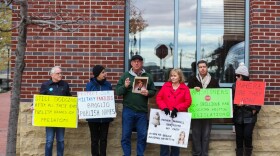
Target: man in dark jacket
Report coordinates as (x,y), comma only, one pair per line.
(55,86)
(201,128)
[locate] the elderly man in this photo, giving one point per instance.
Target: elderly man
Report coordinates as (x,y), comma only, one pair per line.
(55,86)
(135,106)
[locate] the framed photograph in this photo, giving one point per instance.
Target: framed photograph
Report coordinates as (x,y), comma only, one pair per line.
(139,83)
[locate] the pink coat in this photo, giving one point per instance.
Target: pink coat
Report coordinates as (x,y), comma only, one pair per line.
(170,98)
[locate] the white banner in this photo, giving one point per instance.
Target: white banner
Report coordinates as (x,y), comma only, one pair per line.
(96,104)
(167,131)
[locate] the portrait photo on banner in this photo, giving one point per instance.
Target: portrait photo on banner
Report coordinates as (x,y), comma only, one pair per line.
(139,83)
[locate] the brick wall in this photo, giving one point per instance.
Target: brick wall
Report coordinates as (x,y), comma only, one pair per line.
(99,39)
(265,46)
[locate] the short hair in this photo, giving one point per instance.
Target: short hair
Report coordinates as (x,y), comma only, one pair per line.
(54,68)
(202,61)
(179,72)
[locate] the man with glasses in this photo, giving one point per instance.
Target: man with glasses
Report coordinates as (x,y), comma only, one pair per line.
(201,128)
(55,86)
(135,106)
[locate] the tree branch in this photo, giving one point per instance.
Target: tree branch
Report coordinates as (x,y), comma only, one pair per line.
(55,26)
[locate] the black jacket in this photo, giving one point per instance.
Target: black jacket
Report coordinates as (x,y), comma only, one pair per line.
(60,88)
(193,82)
(93,85)
(244,114)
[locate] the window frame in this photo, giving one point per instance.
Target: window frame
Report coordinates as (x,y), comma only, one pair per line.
(198,36)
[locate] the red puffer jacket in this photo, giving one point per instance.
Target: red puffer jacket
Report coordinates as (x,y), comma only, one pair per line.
(170,98)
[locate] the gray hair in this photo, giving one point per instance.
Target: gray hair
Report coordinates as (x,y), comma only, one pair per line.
(54,68)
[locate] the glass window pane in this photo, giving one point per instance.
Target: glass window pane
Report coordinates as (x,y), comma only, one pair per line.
(158,33)
(187,37)
(222,36)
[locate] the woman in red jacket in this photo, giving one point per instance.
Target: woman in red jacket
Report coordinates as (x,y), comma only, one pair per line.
(174,96)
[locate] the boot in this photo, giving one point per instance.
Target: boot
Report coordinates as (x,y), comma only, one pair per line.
(248,151)
(239,151)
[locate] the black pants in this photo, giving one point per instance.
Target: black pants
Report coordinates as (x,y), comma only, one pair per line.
(201,129)
(244,135)
(98,134)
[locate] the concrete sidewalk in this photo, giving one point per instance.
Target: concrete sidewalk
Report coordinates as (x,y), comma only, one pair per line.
(4,119)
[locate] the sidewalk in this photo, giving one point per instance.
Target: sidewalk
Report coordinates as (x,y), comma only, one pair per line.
(4,119)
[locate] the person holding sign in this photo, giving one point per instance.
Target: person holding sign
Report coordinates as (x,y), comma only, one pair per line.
(55,86)
(244,117)
(98,127)
(201,128)
(135,106)
(174,96)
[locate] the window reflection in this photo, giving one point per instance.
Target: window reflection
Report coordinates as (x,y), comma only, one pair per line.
(187,37)
(158,33)
(222,36)
(222,29)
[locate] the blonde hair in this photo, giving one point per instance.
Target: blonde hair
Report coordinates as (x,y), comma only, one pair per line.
(180,74)
(182,139)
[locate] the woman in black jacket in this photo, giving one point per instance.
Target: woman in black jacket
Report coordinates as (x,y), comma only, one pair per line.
(244,117)
(99,127)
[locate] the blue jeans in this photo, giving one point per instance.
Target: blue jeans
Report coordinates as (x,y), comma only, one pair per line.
(164,150)
(50,132)
(130,119)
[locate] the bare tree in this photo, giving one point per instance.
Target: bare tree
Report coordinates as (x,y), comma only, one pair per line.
(136,21)
(45,21)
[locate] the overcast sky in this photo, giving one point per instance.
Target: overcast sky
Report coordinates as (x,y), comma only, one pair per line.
(159,15)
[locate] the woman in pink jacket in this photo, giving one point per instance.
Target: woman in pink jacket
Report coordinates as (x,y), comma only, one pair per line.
(174,96)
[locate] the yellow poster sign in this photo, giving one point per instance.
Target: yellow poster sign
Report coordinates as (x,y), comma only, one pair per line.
(55,111)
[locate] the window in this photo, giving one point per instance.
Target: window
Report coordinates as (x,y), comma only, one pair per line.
(174,34)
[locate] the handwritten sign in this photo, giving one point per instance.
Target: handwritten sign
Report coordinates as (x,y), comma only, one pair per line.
(167,131)
(96,104)
(55,111)
(249,92)
(211,103)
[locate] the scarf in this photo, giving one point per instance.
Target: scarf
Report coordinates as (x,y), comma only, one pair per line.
(204,81)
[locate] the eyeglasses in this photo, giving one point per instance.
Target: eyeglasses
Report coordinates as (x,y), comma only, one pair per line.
(58,73)
(238,75)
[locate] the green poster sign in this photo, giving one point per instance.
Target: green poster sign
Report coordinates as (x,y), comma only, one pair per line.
(211,103)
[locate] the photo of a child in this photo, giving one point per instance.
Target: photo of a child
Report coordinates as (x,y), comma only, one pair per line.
(156,119)
(139,84)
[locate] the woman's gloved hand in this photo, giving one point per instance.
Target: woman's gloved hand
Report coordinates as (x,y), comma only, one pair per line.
(166,111)
(174,113)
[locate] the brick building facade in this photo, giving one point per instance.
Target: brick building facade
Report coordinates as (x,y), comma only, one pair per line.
(102,41)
